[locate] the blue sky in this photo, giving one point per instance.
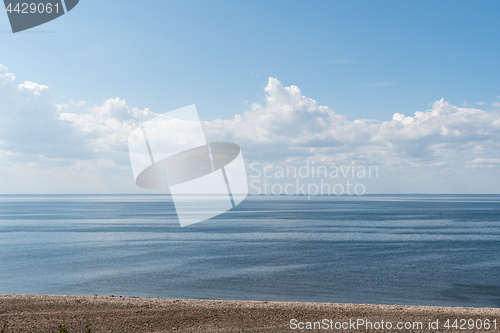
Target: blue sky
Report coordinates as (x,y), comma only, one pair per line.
(219,54)
(363,59)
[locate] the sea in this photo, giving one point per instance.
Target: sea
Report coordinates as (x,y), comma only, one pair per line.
(379,249)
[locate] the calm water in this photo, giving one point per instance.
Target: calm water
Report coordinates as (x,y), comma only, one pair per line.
(425,250)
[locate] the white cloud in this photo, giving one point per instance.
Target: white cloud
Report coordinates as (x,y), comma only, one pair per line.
(29,118)
(5,76)
(479,150)
(483,163)
(428,165)
(31,124)
(106,127)
(290,124)
(45,140)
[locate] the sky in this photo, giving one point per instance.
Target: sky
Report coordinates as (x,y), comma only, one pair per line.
(410,87)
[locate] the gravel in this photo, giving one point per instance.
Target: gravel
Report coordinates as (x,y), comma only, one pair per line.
(44,313)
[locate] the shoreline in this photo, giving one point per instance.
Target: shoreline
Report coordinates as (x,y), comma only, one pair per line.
(44,313)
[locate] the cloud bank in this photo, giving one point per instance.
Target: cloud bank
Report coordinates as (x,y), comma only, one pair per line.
(439,145)
(297,126)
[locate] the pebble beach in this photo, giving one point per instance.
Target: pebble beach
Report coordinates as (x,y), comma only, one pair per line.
(48,313)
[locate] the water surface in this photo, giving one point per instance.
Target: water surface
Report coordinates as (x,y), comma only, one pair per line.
(422,250)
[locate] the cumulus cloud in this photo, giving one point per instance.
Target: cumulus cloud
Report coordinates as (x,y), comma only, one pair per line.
(287,128)
(106,127)
(33,125)
(292,124)
(5,76)
(287,118)
(443,130)
(29,118)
